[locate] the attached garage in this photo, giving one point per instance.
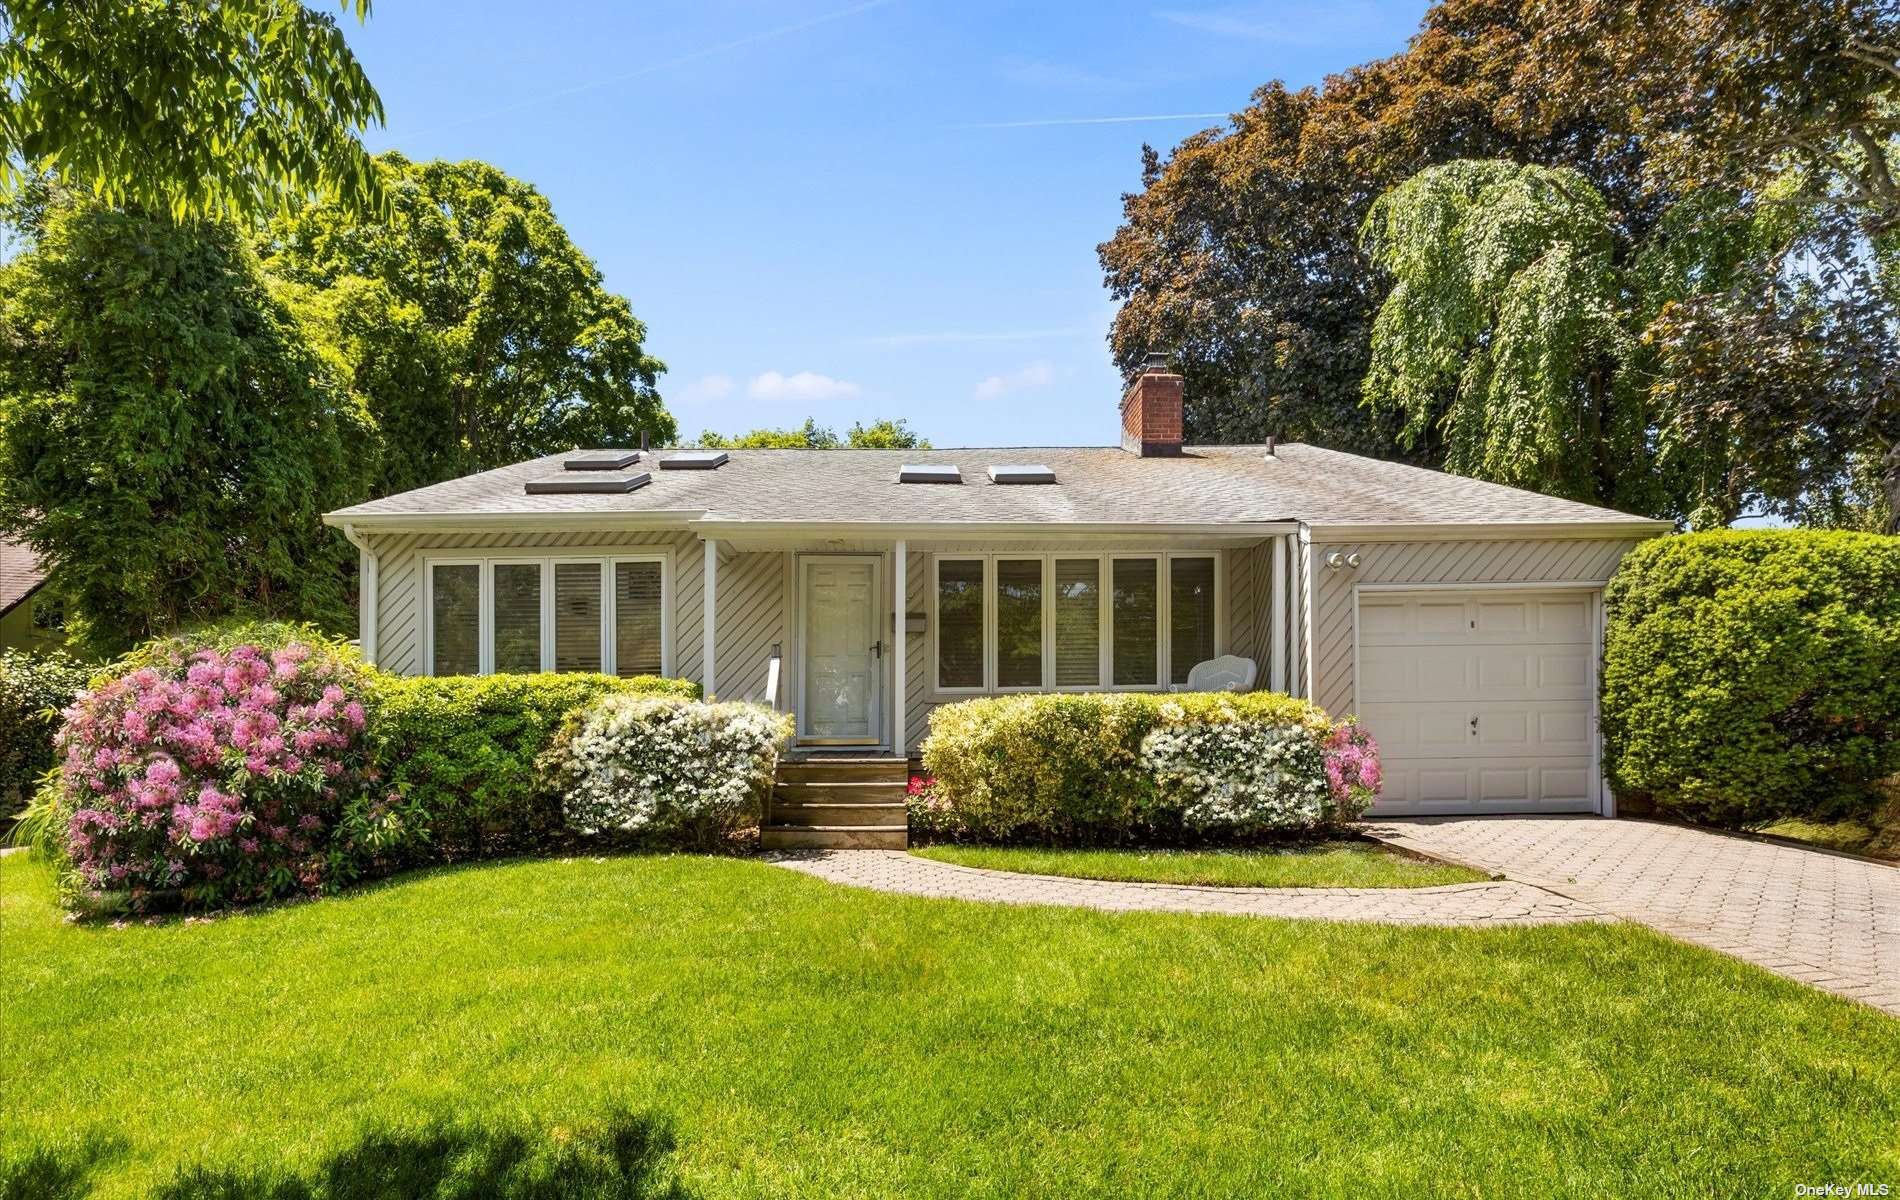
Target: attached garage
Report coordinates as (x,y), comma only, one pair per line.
(1483,700)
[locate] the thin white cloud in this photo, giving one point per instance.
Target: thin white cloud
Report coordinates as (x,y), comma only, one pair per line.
(1290,26)
(1043,73)
(706,387)
(666,64)
(963,337)
(1035,375)
(803,386)
(1044,122)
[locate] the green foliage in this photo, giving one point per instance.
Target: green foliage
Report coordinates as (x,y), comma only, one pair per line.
(475,331)
(1750,677)
(167,442)
(188,107)
(457,756)
(33,689)
(228,634)
(1066,768)
(1239,253)
(883,434)
(1502,328)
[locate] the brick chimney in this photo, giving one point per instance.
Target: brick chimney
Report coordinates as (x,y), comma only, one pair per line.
(1151,410)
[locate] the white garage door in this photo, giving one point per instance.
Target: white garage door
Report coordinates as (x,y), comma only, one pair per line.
(1481,701)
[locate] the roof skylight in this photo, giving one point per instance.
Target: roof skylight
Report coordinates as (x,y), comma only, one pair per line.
(693,460)
(1021,473)
(602,460)
(929,473)
(586,483)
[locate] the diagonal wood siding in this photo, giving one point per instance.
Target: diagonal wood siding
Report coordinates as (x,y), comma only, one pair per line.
(1553,560)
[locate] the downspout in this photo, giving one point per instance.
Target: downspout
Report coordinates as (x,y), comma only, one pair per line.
(366,570)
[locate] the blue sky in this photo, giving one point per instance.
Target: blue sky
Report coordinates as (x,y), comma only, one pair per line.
(851,210)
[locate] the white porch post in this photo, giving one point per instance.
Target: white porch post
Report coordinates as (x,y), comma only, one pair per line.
(898,648)
(1276,625)
(709,618)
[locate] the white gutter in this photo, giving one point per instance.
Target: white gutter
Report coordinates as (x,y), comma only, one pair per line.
(367,564)
(1433,531)
(928,529)
(526,521)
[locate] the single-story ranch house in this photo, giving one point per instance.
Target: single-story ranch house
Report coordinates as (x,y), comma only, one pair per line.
(1460,620)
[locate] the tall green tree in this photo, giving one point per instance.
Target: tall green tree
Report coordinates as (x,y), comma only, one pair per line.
(1504,327)
(187,107)
(168,443)
(1241,255)
(474,329)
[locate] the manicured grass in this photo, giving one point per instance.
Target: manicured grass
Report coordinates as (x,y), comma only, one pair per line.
(717,1027)
(1879,838)
(1326,864)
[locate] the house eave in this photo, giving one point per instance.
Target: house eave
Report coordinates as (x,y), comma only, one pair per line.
(478,522)
(1460,531)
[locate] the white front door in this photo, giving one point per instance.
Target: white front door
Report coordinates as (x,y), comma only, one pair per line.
(1482,701)
(843,656)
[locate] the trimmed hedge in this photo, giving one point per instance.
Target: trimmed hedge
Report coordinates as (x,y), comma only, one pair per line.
(1071,769)
(33,690)
(1752,676)
(458,762)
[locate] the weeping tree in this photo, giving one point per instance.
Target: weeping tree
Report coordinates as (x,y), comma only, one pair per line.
(1741,361)
(1503,331)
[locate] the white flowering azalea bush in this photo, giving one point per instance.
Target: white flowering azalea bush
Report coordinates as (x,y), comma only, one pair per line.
(1226,773)
(662,768)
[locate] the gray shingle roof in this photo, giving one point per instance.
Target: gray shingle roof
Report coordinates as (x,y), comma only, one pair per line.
(20,574)
(1210,485)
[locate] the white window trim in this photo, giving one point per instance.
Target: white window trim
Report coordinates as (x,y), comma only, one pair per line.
(607,560)
(1105,623)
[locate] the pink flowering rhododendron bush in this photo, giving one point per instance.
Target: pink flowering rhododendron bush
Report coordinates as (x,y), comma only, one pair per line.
(206,775)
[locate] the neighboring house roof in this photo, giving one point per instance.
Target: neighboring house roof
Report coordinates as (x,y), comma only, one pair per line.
(20,575)
(1100,486)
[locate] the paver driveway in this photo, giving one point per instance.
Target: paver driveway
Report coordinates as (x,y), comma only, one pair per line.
(1823,919)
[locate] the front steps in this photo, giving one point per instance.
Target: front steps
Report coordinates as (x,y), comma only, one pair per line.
(838,802)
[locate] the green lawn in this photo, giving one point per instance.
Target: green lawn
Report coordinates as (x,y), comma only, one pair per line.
(718,1027)
(1327,864)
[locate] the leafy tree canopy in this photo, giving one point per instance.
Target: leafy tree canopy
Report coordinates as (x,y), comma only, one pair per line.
(882,434)
(1502,326)
(1241,253)
(473,328)
(168,444)
(187,107)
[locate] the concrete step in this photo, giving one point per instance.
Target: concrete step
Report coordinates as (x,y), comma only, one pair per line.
(829,814)
(834,837)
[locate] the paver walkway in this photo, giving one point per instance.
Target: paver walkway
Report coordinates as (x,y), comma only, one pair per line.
(1497,903)
(1823,919)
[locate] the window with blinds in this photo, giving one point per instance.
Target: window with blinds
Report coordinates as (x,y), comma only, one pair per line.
(1135,653)
(637,609)
(517,618)
(577,616)
(1019,622)
(455,618)
(1078,621)
(960,623)
(1190,615)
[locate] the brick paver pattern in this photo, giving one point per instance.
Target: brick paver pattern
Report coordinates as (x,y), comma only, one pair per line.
(1495,903)
(1824,919)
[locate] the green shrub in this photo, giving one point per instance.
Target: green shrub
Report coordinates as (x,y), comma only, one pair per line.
(1753,676)
(33,690)
(456,759)
(1071,768)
